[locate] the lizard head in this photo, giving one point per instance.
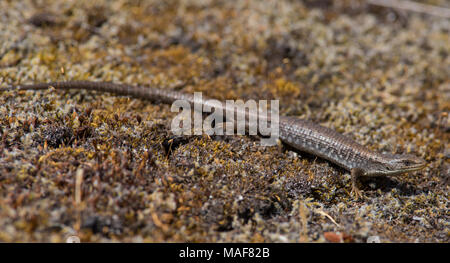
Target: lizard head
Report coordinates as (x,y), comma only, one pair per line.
(395,164)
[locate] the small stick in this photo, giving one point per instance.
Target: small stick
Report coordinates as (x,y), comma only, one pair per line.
(413,6)
(78,182)
(321,212)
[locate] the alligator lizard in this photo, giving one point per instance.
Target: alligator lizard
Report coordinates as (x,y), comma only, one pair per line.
(301,134)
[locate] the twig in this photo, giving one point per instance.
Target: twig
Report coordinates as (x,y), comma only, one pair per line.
(321,212)
(78,182)
(413,6)
(303,211)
